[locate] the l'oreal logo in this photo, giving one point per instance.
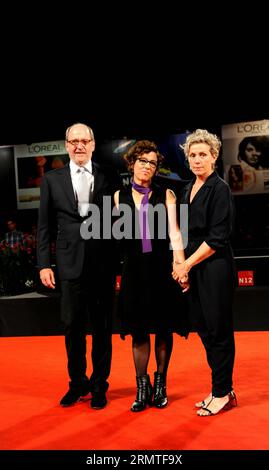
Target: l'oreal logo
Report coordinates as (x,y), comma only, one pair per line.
(261,128)
(36,148)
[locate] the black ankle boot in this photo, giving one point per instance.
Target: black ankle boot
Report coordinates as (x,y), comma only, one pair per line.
(144,393)
(160,398)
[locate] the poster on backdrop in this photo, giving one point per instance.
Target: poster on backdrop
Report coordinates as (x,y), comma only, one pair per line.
(31,163)
(246,156)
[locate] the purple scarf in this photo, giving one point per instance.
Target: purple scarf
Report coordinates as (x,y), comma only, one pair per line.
(143,217)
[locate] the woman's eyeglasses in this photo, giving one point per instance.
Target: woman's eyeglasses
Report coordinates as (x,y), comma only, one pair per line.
(152,163)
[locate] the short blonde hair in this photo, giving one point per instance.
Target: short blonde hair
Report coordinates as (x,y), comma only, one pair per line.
(202,136)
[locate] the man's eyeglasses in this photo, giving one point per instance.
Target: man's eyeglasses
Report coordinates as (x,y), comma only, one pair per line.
(76,142)
(152,163)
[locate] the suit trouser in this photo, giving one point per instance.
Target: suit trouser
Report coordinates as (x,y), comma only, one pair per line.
(81,301)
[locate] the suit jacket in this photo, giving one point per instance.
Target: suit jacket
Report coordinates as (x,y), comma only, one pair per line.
(58,205)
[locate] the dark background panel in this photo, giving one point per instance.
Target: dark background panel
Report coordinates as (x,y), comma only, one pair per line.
(41,316)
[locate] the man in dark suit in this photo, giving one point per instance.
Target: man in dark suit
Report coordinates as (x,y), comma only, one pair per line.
(84,266)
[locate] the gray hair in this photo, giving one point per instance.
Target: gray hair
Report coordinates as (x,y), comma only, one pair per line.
(80,124)
(202,136)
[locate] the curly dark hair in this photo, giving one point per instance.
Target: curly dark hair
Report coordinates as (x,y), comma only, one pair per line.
(138,149)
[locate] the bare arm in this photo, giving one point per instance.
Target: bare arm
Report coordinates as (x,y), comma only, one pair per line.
(175,237)
(173,228)
(116,198)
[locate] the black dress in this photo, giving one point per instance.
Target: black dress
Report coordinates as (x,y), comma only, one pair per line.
(150,301)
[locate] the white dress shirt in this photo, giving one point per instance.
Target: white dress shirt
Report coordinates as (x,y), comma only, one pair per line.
(75,171)
(75,175)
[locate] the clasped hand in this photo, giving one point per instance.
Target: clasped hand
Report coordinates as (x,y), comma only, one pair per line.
(180,275)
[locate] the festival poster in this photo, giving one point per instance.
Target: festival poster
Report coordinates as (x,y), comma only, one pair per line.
(246,157)
(31,163)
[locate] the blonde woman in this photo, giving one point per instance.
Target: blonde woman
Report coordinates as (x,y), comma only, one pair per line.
(209,263)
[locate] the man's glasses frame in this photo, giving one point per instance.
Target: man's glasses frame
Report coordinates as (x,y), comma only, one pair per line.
(76,142)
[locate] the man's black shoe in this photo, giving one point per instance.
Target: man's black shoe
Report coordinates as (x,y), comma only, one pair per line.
(99,400)
(73,396)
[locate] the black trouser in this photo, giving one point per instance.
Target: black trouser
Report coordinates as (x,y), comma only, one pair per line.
(213,321)
(220,352)
(82,300)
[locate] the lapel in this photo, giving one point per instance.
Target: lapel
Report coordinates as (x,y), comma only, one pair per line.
(98,180)
(65,181)
(66,184)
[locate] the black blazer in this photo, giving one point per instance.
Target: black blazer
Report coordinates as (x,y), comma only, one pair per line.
(59,209)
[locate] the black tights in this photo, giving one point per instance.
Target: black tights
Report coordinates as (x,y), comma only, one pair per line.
(141,352)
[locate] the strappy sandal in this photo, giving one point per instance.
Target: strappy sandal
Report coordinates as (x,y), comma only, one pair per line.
(231,403)
(205,402)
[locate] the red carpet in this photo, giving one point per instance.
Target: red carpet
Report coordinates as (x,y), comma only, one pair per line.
(33,379)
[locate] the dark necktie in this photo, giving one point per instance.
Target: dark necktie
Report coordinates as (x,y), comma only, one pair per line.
(143,218)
